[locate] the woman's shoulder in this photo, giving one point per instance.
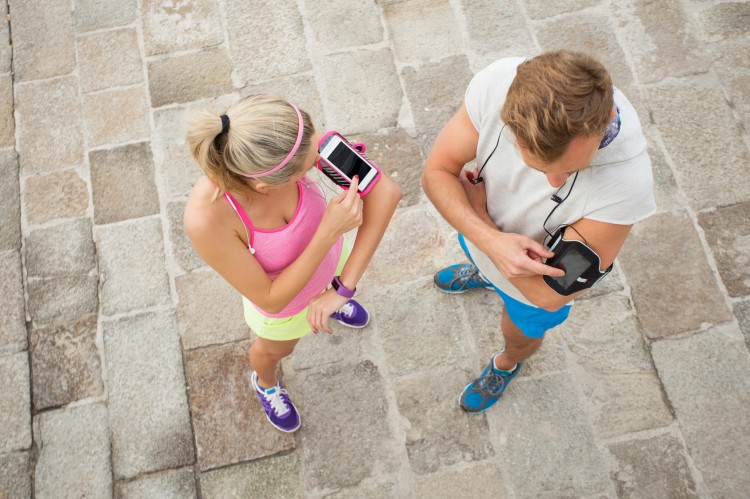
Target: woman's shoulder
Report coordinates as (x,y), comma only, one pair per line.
(204,211)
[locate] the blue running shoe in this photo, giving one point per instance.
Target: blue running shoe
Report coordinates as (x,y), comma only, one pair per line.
(488,388)
(460,278)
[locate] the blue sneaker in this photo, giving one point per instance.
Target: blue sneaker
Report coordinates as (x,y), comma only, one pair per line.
(488,388)
(460,278)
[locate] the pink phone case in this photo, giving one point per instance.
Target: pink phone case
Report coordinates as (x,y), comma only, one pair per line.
(335,174)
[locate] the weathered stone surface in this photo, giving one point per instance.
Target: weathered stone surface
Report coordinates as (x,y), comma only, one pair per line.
(90,15)
(6,50)
(376,98)
(433,97)
(148,409)
(299,89)
(316,350)
(481,480)
(659,39)
(15,403)
(399,156)
(353,24)
(10,203)
(358,431)
(279,31)
(7,125)
(74,456)
(12,314)
(61,250)
(668,196)
(228,419)
(190,77)
(115,116)
(182,250)
(65,362)
(209,311)
(710,170)
(48,112)
(374,489)
(539,9)
(723,20)
(732,64)
(57,195)
(483,309)
(412,26)
(404,350)
(61,299)
(109,59)
(122,180)
(15,482)
(711,370)
(654,467)
(505,36)
(655,271)
(612,283)
(742,312)
(43,40)
(727,232)
(176,484)
(439,433)
(539,422)
(131,266)
(173,27)
(277,476)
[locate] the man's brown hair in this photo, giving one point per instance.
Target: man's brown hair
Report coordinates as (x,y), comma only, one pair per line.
(556,97)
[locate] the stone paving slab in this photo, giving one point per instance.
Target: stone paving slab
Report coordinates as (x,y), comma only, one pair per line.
(177,484)
(12,318)
(15,482)
(15,414)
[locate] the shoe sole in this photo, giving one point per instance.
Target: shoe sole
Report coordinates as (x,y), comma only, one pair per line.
(353,326)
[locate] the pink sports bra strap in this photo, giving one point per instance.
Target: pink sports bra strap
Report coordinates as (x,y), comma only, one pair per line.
(249,228)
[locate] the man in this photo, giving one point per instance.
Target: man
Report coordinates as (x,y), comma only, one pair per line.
(559,147)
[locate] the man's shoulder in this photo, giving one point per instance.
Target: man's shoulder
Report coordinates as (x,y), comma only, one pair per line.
(488,88)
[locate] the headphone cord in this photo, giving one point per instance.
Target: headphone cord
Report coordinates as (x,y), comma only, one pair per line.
(559,201)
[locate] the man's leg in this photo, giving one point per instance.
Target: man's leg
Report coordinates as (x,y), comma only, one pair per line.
(518,347)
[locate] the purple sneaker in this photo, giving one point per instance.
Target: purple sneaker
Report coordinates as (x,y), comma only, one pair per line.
(280,411)
(352,314)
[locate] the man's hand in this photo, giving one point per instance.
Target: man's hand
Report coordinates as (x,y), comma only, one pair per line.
(519,256)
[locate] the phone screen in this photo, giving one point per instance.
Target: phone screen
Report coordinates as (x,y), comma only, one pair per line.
(348,162)
(574,264)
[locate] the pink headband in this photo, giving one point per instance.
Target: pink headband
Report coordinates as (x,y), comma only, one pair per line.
(288,156)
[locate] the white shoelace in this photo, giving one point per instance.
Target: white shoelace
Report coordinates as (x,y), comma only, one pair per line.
(347,309)
(277,402)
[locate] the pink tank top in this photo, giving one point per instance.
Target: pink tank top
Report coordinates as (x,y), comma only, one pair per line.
(276,249)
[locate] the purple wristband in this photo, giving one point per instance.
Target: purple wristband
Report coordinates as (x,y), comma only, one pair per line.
(341,289)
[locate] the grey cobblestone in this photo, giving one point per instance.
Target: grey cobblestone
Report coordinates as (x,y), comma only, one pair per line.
(174,27)
(60,250)
(54,196)
(15,414)
(353,24)
(12,317)
(115,116)
(7,125)
(61,299)
(15,481)
(727,232)
(109,59)
(189,77)
(724,20)
(476,481)
(10,202)
(90,15)
(178,484)
(411,25)
(277,476)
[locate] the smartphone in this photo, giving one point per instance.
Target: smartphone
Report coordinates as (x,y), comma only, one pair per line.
(340,162)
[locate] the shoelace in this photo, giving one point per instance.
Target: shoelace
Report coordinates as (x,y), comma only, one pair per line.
(347,309)
(469,271)
(491,383)
(276,401)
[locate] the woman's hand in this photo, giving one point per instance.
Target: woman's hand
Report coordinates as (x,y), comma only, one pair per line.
(321,307)
(344,212)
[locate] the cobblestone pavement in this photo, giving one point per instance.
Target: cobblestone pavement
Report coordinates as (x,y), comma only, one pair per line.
(123,366)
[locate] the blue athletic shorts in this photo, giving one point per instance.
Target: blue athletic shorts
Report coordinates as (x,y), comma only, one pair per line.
(532,321)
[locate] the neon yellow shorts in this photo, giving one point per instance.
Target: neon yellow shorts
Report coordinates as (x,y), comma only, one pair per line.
(285,328)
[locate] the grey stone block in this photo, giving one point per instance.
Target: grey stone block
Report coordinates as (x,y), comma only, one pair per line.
(174,484)
(15,481)
(277,476)
(57,195)
(358,429)
(399,156)
(190,77)
(343,23)
(43,40)
(6,50)
(74,458)
(539,9)
(61,299)
(116,116)
(228,419)
(10,202)
(15,403)
(182,250)
(658,37)
(48,112)
(712,169)
(90,15)
(723,20)
(480,480)
(710,371)
(374,489)
(323,349)
(654,467)
(169,27)
(65,362)
(131,266)
(742,312)
(61,250)
(109,59)
(7,125)
(484,310)
(412,26)
(727,231)
(667,194)
(12,313)
(122,180)
(354,103)
(171,154)
(663,281)
(440,433)
(148,407)
(612,283)
(302,90)
(535,427)
(732,64)
(209,311)
(279,31)
(434,98)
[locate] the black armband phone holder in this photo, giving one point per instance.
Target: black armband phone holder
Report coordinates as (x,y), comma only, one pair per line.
(580,263)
